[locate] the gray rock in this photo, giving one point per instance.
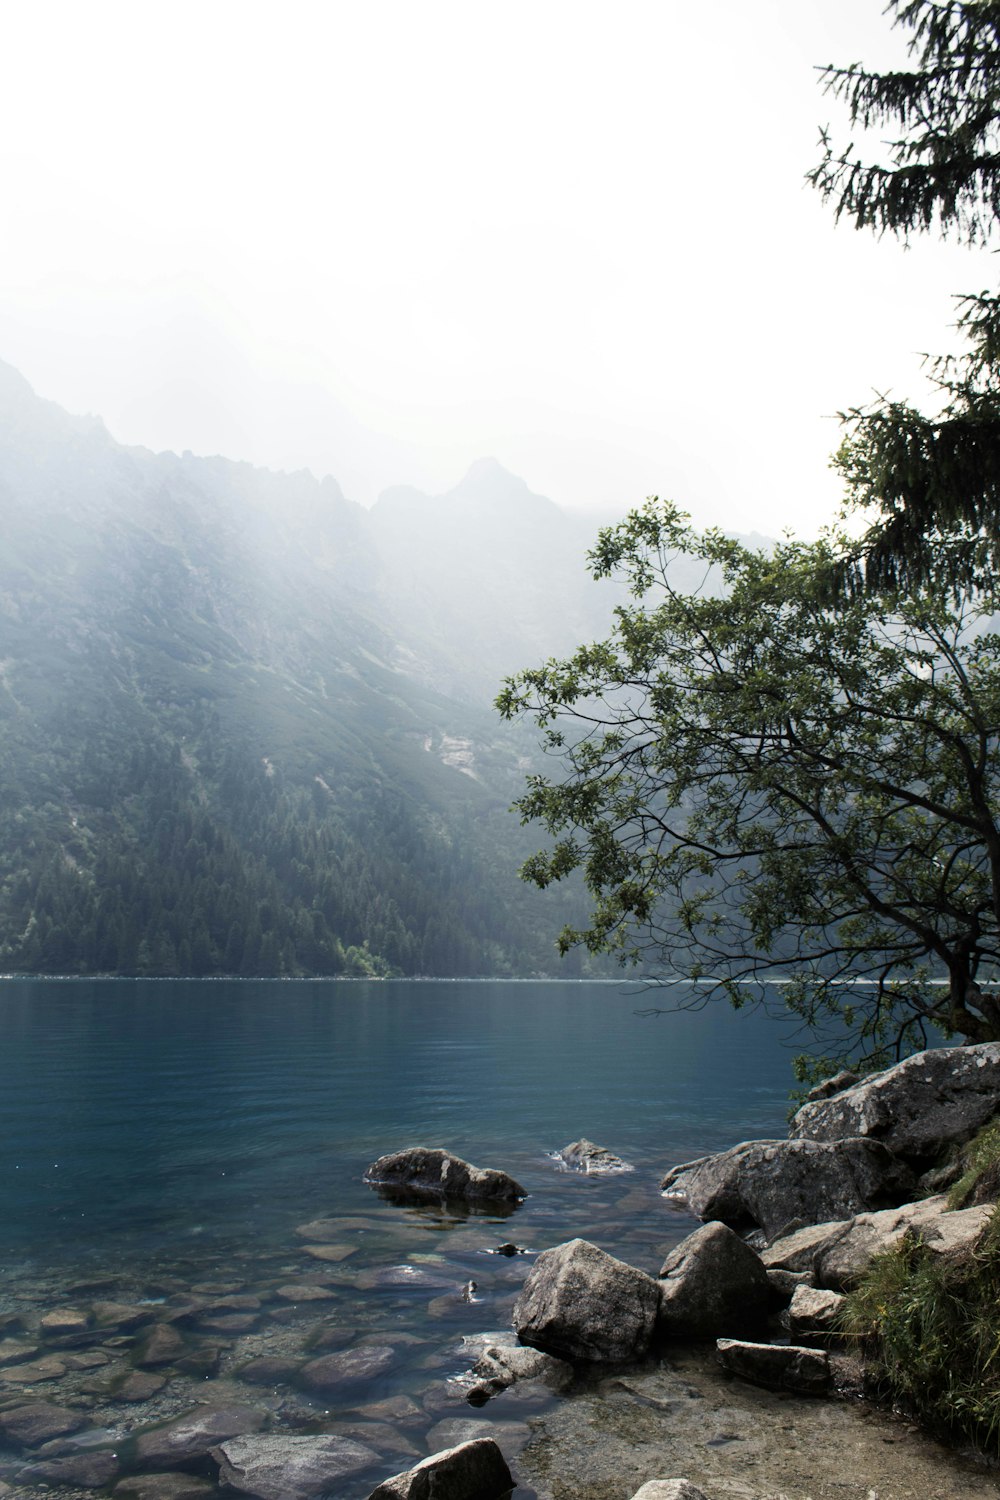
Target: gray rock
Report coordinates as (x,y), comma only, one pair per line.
(163,1487)
(668,1489)
(933,1099)
(192,1436)
(813,1315)
(502,1365)
(844,1260)
(712,1283)
(38,1422)
(778,1367)
(775,1183)
(432,1172)
(280,1467)
(837,1254)
(87,1471)
(584,1156)
(473,1471)
(797,1252)
(578,1302)
(347,1367)
(783,1283)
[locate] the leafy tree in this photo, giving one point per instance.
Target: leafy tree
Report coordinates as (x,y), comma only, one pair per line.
(760,786)
(930,485)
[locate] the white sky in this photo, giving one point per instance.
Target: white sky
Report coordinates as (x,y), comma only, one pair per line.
(383,238)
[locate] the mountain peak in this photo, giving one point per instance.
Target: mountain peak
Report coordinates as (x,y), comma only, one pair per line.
(487,484)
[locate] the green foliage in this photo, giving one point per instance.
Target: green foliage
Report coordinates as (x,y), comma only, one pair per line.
(760,787)
(928,485)
(980,1160)
(930,1334)
(943,170)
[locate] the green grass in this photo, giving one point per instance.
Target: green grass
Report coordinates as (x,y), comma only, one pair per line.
(929,1331)
(980,1179)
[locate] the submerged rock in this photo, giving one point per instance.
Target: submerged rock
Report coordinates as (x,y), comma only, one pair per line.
(476,1470)
(773,1184)
(712,1283)
(163,1345)
(163,1487)
(578,1302)
(138,1385)
(348,1367)
(38,1422)
(192,1436)
(87,1471)
(63,1320)
(928,1101)
(432,1172)
(280,1467)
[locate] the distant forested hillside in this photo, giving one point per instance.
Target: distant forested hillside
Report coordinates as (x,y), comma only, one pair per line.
(246,726)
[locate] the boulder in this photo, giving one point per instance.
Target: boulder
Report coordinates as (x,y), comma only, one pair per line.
(837,1254)
(190,1438)
(437,1174)
(473,1471)
(711,1284)
(281,1467)
(931,1100)
(778,1367)
(813,1315)
(578,1302)
(584,1156)
(772,1184)
(668,1489)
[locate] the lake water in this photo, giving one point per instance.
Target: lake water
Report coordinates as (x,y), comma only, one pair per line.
(165,1142)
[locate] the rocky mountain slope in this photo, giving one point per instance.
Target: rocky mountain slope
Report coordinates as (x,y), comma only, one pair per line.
(246,725)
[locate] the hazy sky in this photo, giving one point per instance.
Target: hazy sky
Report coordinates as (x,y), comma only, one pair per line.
(385,237)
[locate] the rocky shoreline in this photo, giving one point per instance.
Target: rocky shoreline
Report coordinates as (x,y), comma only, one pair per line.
(613,1376)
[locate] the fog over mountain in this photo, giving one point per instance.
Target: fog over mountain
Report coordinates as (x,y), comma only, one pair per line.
(247,724)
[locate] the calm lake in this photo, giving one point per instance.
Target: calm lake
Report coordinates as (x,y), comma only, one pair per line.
(166,1142)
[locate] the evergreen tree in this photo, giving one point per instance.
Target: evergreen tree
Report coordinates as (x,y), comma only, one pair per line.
(929,485)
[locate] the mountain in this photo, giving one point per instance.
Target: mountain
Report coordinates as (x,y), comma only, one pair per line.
(246,725)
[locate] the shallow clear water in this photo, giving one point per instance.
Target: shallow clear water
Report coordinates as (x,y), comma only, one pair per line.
(167,1135)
